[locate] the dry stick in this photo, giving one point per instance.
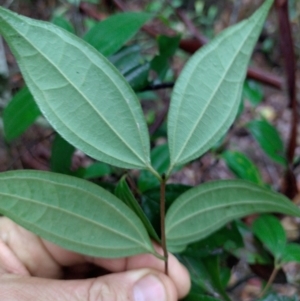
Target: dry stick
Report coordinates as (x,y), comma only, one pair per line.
(162,220)
(270,281)
(287,47)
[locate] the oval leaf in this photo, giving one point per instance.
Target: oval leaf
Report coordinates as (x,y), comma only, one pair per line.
(271,233)
(61,155)
(291,253)
(110,35)
(73,213)
(19,114)
(82,95)
(205,209)
(269,139)
(242,166)
(207,94)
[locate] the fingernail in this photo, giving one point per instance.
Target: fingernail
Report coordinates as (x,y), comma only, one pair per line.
(149,288)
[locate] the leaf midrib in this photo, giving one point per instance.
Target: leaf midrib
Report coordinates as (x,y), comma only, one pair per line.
(218,207)
(80,217)
(74,189)
(228,186)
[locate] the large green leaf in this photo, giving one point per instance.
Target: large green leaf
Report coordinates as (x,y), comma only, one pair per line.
(207,94)
(109,36)
(72,213)
(206,208)
(79,91)
(19,114)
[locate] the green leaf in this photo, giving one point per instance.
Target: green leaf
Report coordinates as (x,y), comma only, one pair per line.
(168,45)
(138,76)
(212,265)
(95,170)
(132,66)
(242,166)
(160,160)
(271,233)
(199,274)
(253,92)
(110,35)
(150,202)
(167,48)
(227,238)
(61,155)
(204,209)
(19,114)
(127,58)
(124,193)
(63,23)
(291,253)
(73,213)
(208,91)
(81,94)
(269,139)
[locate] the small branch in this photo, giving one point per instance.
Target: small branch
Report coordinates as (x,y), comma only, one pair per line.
(265,78)
(191,27)
(89,11)
(120,5)
(287,48)
(270,281)
(152,87)
(162,220)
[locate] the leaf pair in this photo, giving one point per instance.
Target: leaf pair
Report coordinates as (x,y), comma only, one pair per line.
(71,81)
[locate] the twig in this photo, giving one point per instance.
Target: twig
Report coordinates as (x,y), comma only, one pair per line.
(287,48)
(162,220)
(87,9)
(270,281)
(191,27)
(158,86)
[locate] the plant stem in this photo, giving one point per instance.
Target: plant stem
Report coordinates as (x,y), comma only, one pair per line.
(162,220)
(270,281)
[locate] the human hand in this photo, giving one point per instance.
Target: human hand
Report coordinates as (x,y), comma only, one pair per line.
(34,269)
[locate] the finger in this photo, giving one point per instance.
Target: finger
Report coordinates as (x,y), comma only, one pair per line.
(177,272)
(139,285)
(28,250)
(44,259)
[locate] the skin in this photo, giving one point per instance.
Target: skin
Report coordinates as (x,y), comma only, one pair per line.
(34,269)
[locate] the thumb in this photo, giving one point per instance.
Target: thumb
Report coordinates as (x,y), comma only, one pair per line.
(138,285)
